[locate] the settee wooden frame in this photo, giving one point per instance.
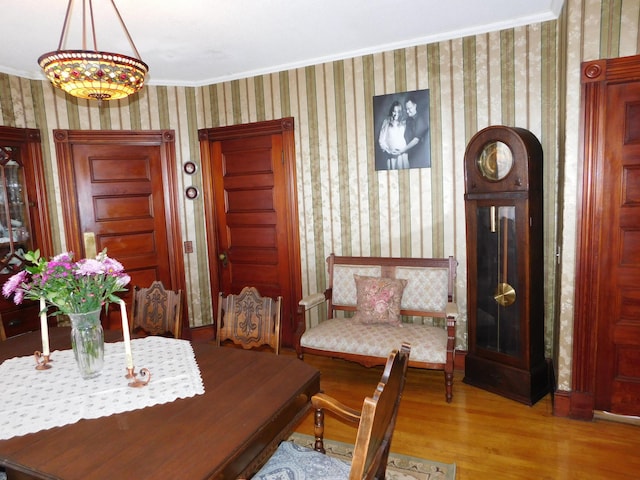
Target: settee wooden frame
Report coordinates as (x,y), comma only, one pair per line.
(387,269)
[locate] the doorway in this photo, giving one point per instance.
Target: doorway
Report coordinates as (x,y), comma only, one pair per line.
(250,203)
(606,361)
(114,195)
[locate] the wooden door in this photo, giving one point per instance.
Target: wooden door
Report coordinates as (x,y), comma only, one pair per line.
(251,210)
(119,193)
(618,358)
(607,328)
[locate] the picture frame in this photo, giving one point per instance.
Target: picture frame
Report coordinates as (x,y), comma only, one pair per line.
(402,130)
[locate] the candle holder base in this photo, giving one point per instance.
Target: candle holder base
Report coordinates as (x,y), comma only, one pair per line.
(42,361)
(136,382)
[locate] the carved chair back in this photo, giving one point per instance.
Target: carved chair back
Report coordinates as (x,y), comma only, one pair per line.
(249,320)
(157,311)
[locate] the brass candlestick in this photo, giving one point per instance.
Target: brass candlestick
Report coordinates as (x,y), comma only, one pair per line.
(42,361)
(136,382)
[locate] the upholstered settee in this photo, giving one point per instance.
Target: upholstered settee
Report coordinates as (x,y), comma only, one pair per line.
(374,304)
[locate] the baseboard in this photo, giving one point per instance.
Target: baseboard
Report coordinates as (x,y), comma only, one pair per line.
(614,417)
(458,360)
(561,403)
(202,334)
(576,405)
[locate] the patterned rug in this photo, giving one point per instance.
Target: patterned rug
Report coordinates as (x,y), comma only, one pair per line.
(399,467)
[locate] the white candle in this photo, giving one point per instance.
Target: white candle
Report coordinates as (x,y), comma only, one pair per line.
(125,333)
(44,328)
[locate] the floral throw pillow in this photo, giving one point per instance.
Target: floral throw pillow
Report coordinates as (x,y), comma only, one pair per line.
(378,299)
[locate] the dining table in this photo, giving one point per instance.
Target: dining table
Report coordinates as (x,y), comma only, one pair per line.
(247,402)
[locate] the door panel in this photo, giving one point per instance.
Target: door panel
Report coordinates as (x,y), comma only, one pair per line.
(250,203)
(114,189)
(119,207)
(247,214)
(618,360)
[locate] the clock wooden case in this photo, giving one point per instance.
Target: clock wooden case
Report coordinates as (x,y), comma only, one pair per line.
(503,205)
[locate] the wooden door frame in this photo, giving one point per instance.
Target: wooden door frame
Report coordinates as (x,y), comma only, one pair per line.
(595,78)
(165,140)
(207,136)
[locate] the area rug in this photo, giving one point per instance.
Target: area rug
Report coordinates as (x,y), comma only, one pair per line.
(399,467)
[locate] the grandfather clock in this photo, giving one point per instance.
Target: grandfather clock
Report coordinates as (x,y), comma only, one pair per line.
(503,204)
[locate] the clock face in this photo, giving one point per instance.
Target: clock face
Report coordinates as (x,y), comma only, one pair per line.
(495,161)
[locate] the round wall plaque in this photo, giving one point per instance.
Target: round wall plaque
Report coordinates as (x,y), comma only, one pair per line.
(191,192)
(190,168)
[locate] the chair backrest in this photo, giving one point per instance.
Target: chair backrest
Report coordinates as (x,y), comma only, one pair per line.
(249,320)
(157,311)
(378,419)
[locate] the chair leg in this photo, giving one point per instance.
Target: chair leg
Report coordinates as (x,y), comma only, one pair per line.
(448,385)
(318,429)
(382,469)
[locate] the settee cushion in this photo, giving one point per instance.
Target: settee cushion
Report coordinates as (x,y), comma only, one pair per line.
(428,343)
(378,300)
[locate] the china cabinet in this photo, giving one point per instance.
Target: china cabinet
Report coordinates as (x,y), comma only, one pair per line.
(503,200)
(24,218)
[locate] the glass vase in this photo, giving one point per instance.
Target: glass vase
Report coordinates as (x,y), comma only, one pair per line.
(87,342)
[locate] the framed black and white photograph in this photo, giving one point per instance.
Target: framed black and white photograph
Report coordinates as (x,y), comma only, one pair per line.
(402,130)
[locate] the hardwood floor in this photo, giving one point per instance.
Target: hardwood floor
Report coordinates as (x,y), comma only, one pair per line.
(486,435)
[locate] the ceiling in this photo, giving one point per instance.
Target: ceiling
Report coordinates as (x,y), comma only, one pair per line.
(202,42)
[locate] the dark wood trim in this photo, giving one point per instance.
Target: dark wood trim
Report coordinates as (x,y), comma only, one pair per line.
(561,403)
(595,78)
(203,333)
(575,405)
(589,227)
(458,360)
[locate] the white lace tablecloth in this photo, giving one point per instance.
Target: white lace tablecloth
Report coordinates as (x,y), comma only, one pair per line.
(32,400)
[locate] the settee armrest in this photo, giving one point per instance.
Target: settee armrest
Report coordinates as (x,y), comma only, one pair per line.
(306,303)
(312,300)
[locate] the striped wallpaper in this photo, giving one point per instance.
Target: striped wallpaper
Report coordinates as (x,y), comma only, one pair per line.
(526,77)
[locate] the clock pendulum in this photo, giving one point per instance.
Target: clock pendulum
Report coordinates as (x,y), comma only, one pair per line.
(505,294)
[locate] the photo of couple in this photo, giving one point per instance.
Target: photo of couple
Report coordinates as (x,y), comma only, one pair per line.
(402,130)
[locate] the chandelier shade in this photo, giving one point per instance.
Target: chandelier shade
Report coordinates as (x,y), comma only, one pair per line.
(93,74)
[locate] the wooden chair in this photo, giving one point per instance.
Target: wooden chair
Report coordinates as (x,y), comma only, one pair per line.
(249,320)
(157,311)
(376,423)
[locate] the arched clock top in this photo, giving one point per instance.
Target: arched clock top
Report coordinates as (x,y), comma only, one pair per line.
(503,159)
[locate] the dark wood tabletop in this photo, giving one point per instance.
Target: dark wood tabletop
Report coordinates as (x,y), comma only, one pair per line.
(252,401)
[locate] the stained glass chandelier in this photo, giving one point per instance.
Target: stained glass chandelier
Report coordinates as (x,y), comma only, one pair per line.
(93,74)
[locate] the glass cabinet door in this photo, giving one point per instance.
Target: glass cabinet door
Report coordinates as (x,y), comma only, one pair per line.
(24,219)
(15,224)
(498,323)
